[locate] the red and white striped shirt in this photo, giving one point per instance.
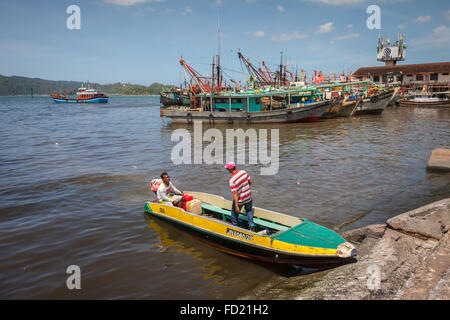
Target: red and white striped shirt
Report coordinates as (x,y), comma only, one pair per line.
(239,183)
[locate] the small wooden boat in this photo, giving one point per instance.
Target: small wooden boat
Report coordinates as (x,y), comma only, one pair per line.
(278,238)
(83,95)
(426,101)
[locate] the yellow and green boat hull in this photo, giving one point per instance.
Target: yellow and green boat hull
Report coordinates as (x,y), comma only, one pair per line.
(303,243)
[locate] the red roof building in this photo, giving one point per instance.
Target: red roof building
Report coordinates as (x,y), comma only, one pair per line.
(434,74)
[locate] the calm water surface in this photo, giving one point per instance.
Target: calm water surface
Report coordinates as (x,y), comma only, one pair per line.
(74,181)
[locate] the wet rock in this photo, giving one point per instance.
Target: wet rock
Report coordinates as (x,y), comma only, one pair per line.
(358,235)
(439,161)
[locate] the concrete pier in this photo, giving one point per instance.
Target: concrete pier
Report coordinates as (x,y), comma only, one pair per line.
(439,161)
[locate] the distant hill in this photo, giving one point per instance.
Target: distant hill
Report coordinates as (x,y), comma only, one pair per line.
(15,85)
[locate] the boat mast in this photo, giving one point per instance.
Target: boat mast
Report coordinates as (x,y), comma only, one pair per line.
(219,74)
(281,69)
(213,74)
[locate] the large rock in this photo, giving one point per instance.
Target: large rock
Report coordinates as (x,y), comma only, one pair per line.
(431,221)
(407,258)
(432,277)
(439,161)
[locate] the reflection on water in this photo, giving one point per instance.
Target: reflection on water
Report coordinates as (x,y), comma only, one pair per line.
(210,270)
(75,179)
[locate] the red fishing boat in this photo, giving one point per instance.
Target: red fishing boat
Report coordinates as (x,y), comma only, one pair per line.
(83,95)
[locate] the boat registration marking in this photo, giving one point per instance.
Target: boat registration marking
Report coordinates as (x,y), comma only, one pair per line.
(239,234)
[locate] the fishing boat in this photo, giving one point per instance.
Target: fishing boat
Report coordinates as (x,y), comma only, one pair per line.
(83,95)
(246,108)
(174,97)
(426,101)
(344,109)
(374,104)
(278,238)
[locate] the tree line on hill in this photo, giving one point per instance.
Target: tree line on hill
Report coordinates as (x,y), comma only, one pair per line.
(15,85)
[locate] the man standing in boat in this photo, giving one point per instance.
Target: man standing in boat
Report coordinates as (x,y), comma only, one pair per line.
(167,187)
(240,183)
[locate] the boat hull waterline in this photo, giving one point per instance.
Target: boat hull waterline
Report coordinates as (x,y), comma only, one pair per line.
(283,247)
(422,104)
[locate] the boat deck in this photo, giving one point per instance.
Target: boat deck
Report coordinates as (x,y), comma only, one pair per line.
(225,215)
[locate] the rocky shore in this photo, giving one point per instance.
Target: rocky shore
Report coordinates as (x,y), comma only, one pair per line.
(406,258)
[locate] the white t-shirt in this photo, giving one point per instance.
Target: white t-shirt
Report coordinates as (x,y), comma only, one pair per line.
(164,191)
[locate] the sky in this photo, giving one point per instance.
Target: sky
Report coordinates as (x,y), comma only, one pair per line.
(141,41)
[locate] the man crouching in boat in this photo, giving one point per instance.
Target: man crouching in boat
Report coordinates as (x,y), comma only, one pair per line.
(164,190)
(242,196)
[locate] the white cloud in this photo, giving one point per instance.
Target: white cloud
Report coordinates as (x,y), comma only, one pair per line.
(127,3)
(349,26)
(288,36)
(422,19)
(280,8)
(440,37)
(354,2)
(338,2)
(441,29)
(325,28)
(186,11)
(401,26)
(346,36)
(258,34)
(447,14)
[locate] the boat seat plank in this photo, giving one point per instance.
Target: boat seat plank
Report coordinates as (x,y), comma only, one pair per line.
(258,221)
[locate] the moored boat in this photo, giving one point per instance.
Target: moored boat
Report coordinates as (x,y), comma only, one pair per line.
(174,97)
(426,101)
(278,238)
(344,109)
(83,95)
(249,107)
(296,113)
(374,104)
